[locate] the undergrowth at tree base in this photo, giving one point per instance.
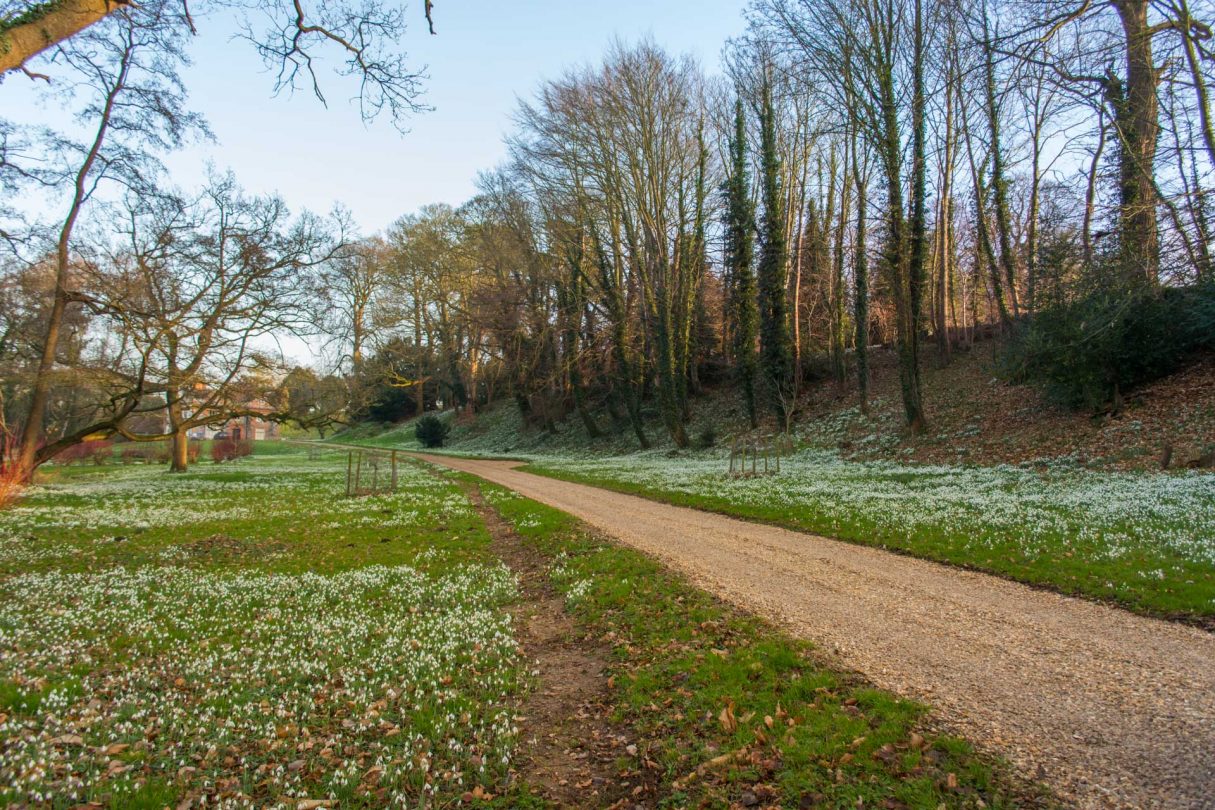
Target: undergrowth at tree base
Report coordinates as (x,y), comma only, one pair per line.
(1088,353)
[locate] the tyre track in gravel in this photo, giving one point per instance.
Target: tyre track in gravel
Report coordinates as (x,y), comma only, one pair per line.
(1110,709)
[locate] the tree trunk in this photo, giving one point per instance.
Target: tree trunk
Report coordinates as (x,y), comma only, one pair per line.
(668,373)
(740,235)
(1031,235)
(999,183)
(945,221)
(1188,35)
(838,295)
(860,272)
(983,244)
(419,372)
(179,457)
(356,339)
(909,345)
(1090,192)
(1136,110)
(776,340)
(181,452)
(31,434)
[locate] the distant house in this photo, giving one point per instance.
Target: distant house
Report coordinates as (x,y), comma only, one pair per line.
(253,426)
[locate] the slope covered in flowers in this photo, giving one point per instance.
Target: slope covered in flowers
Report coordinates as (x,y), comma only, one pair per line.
(242,636)
(1147,541)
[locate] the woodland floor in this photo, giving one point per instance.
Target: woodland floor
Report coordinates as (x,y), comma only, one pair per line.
(976,418)
(1110,709)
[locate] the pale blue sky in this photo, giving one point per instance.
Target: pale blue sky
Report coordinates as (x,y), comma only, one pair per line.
(487,54)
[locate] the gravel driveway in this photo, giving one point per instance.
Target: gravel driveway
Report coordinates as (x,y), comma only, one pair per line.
(1111,709)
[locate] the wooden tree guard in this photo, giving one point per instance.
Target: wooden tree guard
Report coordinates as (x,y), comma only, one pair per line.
(363,472)
(770,449)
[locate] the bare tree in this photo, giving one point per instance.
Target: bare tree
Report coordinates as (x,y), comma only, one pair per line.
(353,283)
(623,146)
(1117,60)
(861,53)
(127,74)
(290,36)
(202,289)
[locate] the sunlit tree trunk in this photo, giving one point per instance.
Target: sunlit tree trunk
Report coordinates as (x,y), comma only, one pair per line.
(1136,113)
(42,25)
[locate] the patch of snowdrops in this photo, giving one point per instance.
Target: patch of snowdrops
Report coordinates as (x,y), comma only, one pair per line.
(1105,526)
(1120,513)
(167,684)
(145,497)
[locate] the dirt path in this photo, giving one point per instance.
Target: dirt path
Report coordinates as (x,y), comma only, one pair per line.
(569,751)
(1111,709)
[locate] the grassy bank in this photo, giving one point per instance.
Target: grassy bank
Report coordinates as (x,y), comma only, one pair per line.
(1144,541)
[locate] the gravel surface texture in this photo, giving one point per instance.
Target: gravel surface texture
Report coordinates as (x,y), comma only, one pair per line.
(1110,709)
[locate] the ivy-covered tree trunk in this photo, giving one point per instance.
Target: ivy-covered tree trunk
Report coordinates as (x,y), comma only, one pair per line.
(776,346)
(860,273)
(838,295)
(740,253)
(668,371)
(909,344)
(984,251)
(999,181)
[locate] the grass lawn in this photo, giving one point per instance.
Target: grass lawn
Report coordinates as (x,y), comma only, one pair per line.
(1146,541)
